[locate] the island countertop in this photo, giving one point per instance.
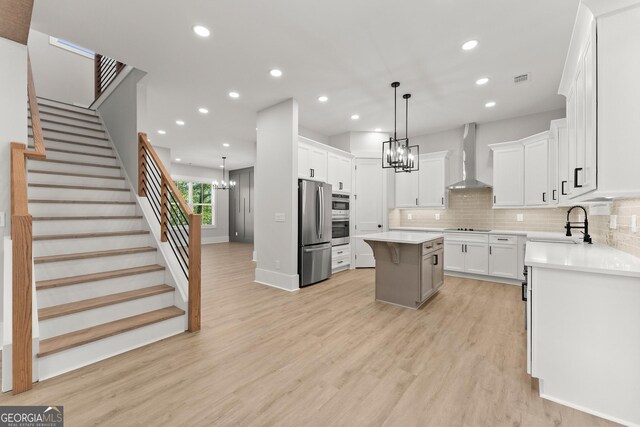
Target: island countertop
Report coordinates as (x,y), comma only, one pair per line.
(402,237)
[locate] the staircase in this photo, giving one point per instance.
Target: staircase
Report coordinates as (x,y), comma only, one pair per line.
(101,284)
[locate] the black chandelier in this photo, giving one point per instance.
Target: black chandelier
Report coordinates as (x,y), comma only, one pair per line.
(223,185)
(396,152)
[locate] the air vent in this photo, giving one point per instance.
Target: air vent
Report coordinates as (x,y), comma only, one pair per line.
(522,78)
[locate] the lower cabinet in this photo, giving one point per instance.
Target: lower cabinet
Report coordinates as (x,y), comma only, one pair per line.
(484,254)
(340,257)
(503,256)
(432,271)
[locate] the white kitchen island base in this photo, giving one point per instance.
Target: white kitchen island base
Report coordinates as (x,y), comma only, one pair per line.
(409,267)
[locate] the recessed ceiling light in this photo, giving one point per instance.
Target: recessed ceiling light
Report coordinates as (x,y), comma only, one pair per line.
(482,81)
(490,104)
(203,110)
(162,132)
(221,166)
(201,31)
(226,144)
(177,160)
(275,73)
(323,98)
(355,117)
(180,122)
(470,44)
(234,94)
(378,130)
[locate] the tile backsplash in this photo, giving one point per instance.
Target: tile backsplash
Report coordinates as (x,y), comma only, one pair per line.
(473,208)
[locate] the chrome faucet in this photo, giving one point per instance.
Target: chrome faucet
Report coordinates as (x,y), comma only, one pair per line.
(585,225)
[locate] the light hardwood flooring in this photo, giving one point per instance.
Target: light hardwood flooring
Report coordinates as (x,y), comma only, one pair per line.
(326,355)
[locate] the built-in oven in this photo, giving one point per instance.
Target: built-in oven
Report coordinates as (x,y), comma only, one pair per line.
(340,206)
(339,231)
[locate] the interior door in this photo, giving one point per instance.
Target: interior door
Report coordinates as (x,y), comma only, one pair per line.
(369,209)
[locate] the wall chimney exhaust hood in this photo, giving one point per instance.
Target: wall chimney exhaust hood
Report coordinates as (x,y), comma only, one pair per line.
(469,180)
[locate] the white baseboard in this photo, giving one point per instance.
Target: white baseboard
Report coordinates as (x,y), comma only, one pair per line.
(255,256)
(215,239)
(286,282)
(503,280)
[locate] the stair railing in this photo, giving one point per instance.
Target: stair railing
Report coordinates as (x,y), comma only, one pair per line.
(22,247)
(106,70)
(179,226)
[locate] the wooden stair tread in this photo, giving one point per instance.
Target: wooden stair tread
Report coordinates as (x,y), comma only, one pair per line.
(56,122)
(81,153)
(95,333)
(78,187)
(84,218)
(82,202)
(61,108)
(65,141)
(67,162)
(95,254)
(81,175)
(89,304)
(89,235)
(94,277)
(45,99)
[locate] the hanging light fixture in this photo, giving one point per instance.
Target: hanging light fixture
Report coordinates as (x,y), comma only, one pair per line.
(396,152)
(223,185)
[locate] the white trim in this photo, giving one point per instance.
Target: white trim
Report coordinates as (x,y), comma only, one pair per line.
(502,280)
(286,282)
(214,239)
(255,256)
(54,41)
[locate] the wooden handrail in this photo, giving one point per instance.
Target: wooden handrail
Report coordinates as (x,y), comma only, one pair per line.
(105,72)
(166,196)
(22,247)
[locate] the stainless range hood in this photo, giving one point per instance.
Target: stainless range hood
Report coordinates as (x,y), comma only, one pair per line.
(469,180)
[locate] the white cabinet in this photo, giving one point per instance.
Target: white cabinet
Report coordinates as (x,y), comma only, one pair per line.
(466,253)
(503,256)
(340,257)
(475,259)
(508,177)
(426,187)
(559,168)
(304,161)
(432,182)
(536,170)
(339,173)
(312,162)
(454,261)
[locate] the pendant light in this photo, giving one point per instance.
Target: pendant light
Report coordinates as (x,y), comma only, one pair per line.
(223,185)
(396,152)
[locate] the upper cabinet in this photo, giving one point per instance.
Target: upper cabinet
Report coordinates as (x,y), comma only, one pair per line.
(559,164)
(536,170)
(425,188)
(601,86)
(323,163)
(508,177)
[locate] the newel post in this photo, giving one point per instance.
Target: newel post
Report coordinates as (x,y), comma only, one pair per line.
(194,272)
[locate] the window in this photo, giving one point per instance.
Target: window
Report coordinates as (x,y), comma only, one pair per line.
(71,47)
(200,197)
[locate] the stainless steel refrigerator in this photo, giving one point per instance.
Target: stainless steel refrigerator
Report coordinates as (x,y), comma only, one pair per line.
(314,231)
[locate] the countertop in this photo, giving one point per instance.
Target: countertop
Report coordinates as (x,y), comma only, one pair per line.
(594,258)
(402,237)
(532,235)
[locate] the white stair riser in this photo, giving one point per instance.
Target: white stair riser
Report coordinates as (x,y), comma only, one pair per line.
(68,360)
(46,193)
(76,138)
(72,246)
(86,319)
(42,102)
(55,270)
(82,291)
(71,118)
(50,128)
(71,125)
(48,227)
(65,167)
(71,157)
(60,145)
(45,178)
(60,209)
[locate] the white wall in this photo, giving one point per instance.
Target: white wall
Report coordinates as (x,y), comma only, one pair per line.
(341,141)
(318,137)
(276,184)
(60,74)
(219,233)
(449,140)
(13,126)
(367,144)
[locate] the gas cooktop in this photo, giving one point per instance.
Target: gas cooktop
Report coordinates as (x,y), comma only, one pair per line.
(467,229)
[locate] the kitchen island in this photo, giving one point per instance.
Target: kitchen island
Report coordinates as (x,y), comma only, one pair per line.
(409,266)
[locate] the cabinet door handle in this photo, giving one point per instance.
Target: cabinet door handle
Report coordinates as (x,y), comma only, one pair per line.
(524,291)
(490,253)
(562,190)
(416,201)
(553,194)
(311,173)
(443,200)
(494,200)
(575,178)
(503,239)
(435,259)
(462,248)
(544,197)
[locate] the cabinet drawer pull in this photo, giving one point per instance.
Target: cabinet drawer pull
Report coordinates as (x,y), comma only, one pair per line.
(439,243)
(575,178)
(339,262)
(339,252)
(429,247)
(504,239)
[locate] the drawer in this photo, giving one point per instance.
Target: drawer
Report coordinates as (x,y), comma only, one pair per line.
(431,246)
(503,239)
(466,237)
(341,251)
(342,261)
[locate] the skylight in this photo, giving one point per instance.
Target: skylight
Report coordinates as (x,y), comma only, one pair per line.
(71,47)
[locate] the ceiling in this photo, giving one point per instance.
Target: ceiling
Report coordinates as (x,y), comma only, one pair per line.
(348,50)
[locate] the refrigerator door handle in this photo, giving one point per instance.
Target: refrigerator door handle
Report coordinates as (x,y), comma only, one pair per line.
(318,212)
(321,188)
(317,248)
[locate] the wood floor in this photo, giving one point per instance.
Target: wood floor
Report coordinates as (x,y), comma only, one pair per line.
(326,355)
